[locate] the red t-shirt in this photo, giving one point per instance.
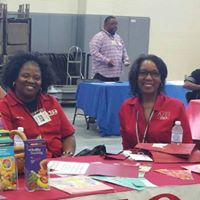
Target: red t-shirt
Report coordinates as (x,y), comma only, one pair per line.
(15,114)
(167,110)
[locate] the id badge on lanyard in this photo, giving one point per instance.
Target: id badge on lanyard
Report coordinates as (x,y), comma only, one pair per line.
(41,117)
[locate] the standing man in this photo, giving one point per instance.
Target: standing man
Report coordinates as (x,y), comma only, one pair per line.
(108,52)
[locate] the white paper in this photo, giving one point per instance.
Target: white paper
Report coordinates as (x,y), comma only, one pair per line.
(18,141)
(62,167)
(127,153)
(159,145)
(140,157)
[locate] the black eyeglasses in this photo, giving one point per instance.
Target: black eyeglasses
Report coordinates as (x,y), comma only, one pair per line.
(153,74)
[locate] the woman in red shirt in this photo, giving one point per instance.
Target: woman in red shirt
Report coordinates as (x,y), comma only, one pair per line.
(150,115)
(27,104)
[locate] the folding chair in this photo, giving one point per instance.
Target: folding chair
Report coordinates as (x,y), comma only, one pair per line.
(74,64)
(89,120)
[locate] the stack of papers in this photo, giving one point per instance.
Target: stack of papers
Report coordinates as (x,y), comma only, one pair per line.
(79,185)
(95,168)
(72,168)
(137,157)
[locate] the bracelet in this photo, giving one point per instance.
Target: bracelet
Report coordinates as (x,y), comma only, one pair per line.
(67,152)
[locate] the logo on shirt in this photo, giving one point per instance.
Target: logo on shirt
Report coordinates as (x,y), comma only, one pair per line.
(163,115)
(19,117)
(52,112)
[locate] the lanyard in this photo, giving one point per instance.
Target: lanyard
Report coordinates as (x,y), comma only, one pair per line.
(146,128)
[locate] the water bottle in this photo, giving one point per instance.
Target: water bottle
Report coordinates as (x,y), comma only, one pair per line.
(17,139)
(177,133)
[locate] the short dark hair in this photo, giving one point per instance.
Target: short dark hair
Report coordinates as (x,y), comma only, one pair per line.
(134,72)
(12,68)
(108,18)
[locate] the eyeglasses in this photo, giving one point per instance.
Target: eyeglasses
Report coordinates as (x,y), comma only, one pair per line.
(153,74)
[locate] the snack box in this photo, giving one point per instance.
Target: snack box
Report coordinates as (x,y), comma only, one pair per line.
(4,134)
(8,170)
(36,176)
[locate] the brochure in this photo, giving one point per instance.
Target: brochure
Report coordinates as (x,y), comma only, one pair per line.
(79,185)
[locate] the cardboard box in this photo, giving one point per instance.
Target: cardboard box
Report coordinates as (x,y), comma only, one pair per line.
(8,171)
(36,176)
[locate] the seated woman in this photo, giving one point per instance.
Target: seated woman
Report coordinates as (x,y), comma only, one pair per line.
(28,105)
(150,115)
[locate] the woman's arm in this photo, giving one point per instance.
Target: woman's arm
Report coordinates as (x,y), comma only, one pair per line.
(69,145)
(191,86)
(66,131)
(2,92)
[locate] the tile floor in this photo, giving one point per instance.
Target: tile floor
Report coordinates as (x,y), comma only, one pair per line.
(90,138)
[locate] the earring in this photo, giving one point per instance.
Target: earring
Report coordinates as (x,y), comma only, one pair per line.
(14,84)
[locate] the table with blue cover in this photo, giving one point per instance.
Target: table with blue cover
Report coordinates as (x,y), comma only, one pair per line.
(102,100)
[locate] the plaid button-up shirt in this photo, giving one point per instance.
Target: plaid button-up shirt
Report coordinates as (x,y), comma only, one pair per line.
(105,47)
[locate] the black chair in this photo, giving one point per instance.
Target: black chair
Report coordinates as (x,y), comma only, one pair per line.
(192,95)
(89,120)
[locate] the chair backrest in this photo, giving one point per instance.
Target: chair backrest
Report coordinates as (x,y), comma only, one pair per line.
(74,64)
(191,95)
(193,114)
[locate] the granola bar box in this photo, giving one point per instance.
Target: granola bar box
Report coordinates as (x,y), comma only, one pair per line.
(36,176)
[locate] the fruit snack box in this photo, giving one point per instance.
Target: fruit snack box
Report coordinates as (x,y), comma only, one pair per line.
(36,176)
(8,171)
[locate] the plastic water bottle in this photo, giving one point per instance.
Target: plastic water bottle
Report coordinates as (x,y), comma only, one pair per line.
(177,133)
(17,139)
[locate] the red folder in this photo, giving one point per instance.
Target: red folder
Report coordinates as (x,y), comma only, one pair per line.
(114,169)
(160,157)
(193,114)
(183,149)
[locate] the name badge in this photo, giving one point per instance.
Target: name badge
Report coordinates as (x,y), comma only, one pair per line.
(41,117)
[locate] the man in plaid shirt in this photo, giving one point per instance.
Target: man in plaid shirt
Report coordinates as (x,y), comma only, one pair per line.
(108,52)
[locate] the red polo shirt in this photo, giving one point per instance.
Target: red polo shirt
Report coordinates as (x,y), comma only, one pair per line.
(15,114)
(166,111)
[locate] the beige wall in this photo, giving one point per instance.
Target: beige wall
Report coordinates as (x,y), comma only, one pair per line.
(174,29)
(45,6)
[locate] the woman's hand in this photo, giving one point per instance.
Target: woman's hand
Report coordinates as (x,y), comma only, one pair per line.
(69,146)
(19,133)
(22,136)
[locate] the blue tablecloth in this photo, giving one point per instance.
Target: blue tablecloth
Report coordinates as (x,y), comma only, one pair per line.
(103,100)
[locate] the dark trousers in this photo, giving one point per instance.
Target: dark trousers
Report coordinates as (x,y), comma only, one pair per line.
(105,79)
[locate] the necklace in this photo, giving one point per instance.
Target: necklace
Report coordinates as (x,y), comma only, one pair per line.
(146,128)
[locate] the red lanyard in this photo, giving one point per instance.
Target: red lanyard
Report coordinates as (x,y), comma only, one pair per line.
(146,128)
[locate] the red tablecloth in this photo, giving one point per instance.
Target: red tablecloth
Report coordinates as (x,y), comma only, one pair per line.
(154,177)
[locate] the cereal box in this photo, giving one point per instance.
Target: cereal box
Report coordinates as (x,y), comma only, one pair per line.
(8,171)
(36,176)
